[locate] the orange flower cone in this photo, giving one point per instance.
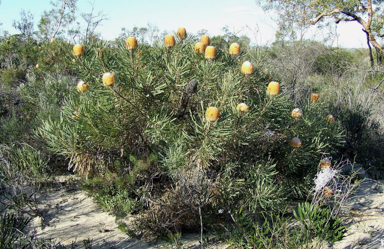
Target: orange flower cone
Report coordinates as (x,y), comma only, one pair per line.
(212,114)
(273,88)
(169,41)
(182,33)
(131,43)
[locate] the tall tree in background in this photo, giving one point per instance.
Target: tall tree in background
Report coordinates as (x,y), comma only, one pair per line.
(53,21)
(368,13)
(92,20)
(25,25)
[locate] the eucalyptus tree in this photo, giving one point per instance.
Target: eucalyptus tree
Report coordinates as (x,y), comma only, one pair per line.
(368,13)
(52,22)
(25,24)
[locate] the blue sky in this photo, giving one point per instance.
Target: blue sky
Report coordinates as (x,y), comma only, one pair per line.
(169,15)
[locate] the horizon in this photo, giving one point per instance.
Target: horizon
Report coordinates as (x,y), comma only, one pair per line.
(244,18)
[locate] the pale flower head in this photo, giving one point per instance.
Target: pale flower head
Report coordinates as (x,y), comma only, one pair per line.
(323,178)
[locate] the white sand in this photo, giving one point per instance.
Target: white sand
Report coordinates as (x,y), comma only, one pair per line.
(71,216)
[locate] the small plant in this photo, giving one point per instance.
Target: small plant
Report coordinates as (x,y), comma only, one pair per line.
(11,227)
(270,231)
(321,217)
(87,243)
(318,222)
(174,240)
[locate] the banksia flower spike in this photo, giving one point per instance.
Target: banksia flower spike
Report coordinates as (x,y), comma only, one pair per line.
(295,142)
(247,68)
(39,48)
(210,52)
(73,60)
(242,107)
(169,41)
(78,49)
(273,88)
(330,118)
(99,52)
(82,86)
(296,113)
(131,43)
(53,40)
(212,114)
(325,164)
(7,42)
(182,33)
(234,49)
(37,66)
(314,97)
(108,79)
(200,47)
(205,40)
(327,192)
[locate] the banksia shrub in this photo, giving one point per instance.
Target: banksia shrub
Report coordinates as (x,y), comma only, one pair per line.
(170,135)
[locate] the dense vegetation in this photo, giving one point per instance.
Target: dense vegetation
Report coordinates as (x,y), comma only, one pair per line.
(149,143)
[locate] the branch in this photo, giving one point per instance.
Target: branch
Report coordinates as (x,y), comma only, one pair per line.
(378,85)
(340,11)
(61,18)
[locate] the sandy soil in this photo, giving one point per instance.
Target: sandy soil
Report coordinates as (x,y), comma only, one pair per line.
(70,217)
(365,217)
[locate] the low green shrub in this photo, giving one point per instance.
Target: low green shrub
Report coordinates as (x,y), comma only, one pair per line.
(11,230)
(318,222)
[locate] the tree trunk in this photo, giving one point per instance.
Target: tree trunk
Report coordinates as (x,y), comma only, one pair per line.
(370,51)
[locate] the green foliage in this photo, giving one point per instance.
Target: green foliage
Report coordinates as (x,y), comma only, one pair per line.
(145,146)
(11,228)
(29,161)
(153,133)
(52,22)
(13,234)
(296,16)
(271,231)
(318,222)
(11,77)
(111,194)
(21,166)
(333,61)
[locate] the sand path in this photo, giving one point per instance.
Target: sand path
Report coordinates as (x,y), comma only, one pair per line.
(71,217)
